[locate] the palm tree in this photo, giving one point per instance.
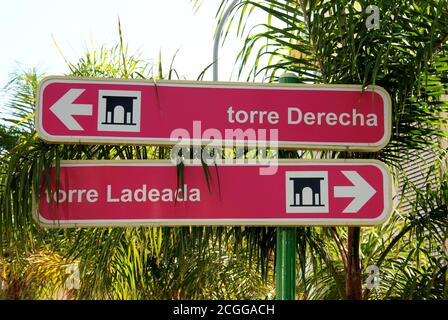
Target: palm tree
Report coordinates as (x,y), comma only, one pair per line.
(328,42)
(117,263)
(323,42)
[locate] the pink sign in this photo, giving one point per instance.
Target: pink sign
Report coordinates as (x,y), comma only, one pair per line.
(108,193)
(143,112)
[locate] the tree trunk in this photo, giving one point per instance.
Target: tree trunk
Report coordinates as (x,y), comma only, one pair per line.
(353,288)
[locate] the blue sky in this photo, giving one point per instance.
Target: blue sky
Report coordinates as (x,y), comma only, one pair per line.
(28,29)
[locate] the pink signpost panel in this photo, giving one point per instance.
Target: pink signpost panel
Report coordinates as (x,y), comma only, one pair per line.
(109,193)
(338,117)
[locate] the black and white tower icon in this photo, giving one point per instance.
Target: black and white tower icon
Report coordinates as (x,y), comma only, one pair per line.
(113,103)
(307,191)
(119,110)
(301,184)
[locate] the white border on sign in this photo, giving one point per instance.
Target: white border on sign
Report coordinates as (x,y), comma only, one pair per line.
(387,187)
(354,146)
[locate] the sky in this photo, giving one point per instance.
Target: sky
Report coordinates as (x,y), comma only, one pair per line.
(29,30)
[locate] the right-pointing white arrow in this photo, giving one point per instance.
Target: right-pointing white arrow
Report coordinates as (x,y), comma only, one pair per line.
(64,109)
(361,191)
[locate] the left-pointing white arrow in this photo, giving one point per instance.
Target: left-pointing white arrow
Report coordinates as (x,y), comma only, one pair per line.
(361,191)
(64,109)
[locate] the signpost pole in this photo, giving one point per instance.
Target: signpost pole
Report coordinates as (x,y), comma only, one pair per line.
(286,264)
(286,245)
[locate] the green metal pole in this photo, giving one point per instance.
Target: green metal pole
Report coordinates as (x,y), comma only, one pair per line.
(286,245)
(286,264)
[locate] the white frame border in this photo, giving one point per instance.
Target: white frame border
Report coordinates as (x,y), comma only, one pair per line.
(387,186)
(341,146)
